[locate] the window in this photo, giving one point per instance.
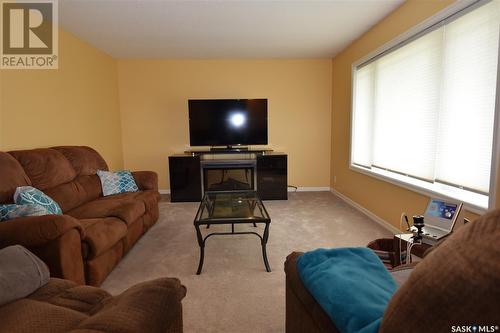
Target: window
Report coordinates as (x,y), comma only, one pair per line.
(424,110)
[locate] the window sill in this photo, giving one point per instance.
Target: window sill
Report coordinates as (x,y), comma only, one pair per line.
(473,202)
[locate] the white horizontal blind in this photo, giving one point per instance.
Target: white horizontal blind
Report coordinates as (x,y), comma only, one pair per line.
(465,133)
(426,109)
(363,117)
(407,97)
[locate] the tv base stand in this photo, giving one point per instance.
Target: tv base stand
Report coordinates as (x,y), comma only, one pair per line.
(222,149)
(230,150)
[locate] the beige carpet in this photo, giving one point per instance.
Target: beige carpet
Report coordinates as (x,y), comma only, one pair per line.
(234,293)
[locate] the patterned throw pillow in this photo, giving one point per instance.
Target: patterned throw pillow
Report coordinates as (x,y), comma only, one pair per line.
(12,211)
(29,195)
(117,182)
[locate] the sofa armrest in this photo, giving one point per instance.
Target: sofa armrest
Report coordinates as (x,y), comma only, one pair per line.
(146,180)
(303,313)
(56,239)
(35,231)
(152,306)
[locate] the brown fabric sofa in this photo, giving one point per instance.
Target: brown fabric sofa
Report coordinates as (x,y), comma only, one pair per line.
(64,306)
(95,232)
(456,284)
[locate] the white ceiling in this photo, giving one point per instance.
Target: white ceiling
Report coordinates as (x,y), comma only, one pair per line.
(221,29)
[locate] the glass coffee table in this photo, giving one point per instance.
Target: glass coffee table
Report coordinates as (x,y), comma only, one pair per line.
(230,208)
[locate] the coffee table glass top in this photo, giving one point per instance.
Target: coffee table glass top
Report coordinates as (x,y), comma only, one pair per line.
(239,206)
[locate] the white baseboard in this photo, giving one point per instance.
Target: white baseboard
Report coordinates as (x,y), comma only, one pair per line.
(164,191)
(310,189)
(366,212)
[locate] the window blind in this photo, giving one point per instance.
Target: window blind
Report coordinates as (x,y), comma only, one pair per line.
(426,109)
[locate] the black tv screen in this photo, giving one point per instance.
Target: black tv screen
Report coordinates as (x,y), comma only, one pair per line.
(226,122)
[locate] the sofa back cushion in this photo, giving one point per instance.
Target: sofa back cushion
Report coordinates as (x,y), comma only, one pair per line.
(45,167)
(67,174)
(85,160)
(456,284)
(77,192)
(12,175)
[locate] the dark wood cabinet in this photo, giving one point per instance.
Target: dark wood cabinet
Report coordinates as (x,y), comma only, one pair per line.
(270,170)
(272,183)
(185,178)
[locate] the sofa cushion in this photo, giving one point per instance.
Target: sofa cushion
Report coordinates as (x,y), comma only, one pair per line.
(26,315)
(68,294)
(127,210)
(63,306)
(12,176)
(459,279)
(152,306)
(77,192)
(85,160)
(149,197)
(101,234)
(59,306)
(45,167)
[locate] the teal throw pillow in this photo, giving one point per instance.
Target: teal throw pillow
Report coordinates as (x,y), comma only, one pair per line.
(117,182)
(29,195)
(12,211)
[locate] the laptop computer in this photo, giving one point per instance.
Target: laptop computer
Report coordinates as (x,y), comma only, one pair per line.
(440,217)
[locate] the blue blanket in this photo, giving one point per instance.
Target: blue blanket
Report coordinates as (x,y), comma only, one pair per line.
(351,285)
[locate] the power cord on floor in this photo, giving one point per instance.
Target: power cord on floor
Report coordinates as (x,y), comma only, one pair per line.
(294,187)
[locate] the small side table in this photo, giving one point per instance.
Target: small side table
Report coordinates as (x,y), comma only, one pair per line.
(417,250)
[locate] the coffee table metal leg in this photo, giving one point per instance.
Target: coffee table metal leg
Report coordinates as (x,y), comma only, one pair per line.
(202,256)
(201,242)
(264,243)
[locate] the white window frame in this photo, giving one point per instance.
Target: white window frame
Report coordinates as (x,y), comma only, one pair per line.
(448,14)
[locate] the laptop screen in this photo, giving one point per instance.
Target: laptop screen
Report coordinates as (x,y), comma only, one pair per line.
(441,214)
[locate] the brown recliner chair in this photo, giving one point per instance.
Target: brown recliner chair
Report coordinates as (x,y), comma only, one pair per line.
(95,232)
(456,284)
(63,306)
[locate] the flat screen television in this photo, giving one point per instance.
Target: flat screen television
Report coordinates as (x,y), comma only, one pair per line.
(227,122)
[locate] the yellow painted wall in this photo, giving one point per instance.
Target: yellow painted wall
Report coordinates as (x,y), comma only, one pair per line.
(76,104)
(1,109)
(154,95)
(383,199)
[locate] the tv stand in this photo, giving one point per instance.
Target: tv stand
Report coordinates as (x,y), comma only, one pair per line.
(263,170)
